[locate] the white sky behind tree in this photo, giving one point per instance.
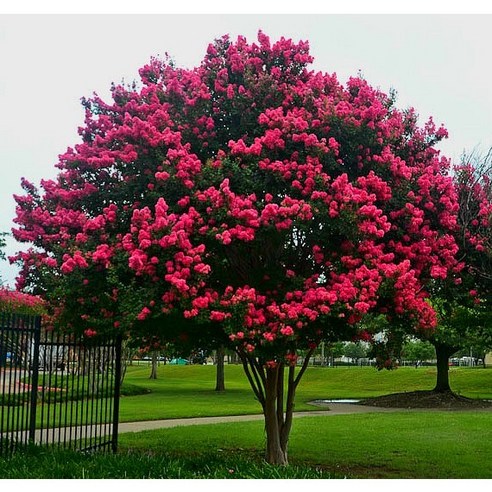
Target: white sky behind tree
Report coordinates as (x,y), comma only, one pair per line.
(439,64)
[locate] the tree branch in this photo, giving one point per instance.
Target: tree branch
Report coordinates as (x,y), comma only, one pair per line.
(254,379)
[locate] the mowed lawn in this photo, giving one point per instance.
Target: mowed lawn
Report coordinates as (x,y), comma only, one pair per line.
(375,445)
(403,444)
(398,445)
(188,391)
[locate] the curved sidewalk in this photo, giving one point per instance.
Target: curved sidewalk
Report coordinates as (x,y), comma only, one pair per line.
(335,409)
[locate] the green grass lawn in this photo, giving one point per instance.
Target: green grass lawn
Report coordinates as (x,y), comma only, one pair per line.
(417,444)
(188,391)
(403,445)
(395,445)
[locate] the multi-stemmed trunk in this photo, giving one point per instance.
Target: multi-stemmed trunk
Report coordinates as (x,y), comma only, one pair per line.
(275,387)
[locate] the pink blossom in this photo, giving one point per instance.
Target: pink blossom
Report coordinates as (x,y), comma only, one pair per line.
(287,331)
(144,314)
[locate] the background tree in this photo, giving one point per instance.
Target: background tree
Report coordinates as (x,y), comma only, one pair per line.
(334,351)
(355,351)
(477,346)
(154,349)
(252,198)
(415,350)
(220,374)
(464,302)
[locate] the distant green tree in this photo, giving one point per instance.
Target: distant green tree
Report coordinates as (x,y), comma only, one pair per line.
(418,350)
(334,351)
(355,351)
(478,345)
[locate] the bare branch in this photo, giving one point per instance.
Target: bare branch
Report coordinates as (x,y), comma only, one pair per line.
(253,379)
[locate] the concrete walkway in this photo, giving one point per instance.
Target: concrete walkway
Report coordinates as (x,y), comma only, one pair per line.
(335,409)
(66,434)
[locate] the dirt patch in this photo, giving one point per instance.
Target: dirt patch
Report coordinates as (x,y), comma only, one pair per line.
(427,399)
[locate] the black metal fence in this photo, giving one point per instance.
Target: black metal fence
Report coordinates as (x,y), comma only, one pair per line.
(57,389)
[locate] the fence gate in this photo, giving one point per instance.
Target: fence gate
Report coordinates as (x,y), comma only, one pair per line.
(57,389)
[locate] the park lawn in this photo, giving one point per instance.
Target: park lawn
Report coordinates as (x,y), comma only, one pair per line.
(188,391)
(399,445)
(404,445)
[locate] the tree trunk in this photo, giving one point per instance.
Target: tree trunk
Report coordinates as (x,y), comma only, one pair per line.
(443,353)
(220,376)
(153,370)
(276,450)
(277,401)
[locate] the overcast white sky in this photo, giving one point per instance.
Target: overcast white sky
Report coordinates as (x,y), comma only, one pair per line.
(439,64)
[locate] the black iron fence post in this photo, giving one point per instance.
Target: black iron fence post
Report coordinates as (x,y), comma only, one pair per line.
(117,385)
(34,379)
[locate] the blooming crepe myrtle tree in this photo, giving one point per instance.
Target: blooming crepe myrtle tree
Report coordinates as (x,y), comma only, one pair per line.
(248,195)
(463,301)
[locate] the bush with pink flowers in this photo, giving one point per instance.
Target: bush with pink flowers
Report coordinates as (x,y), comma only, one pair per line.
(13,301)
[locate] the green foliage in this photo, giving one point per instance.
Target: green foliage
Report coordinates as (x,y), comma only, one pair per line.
(13,400)
(13,301)
(417,350)
(355,350)
(133,390)
(460,322)
(463,302)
